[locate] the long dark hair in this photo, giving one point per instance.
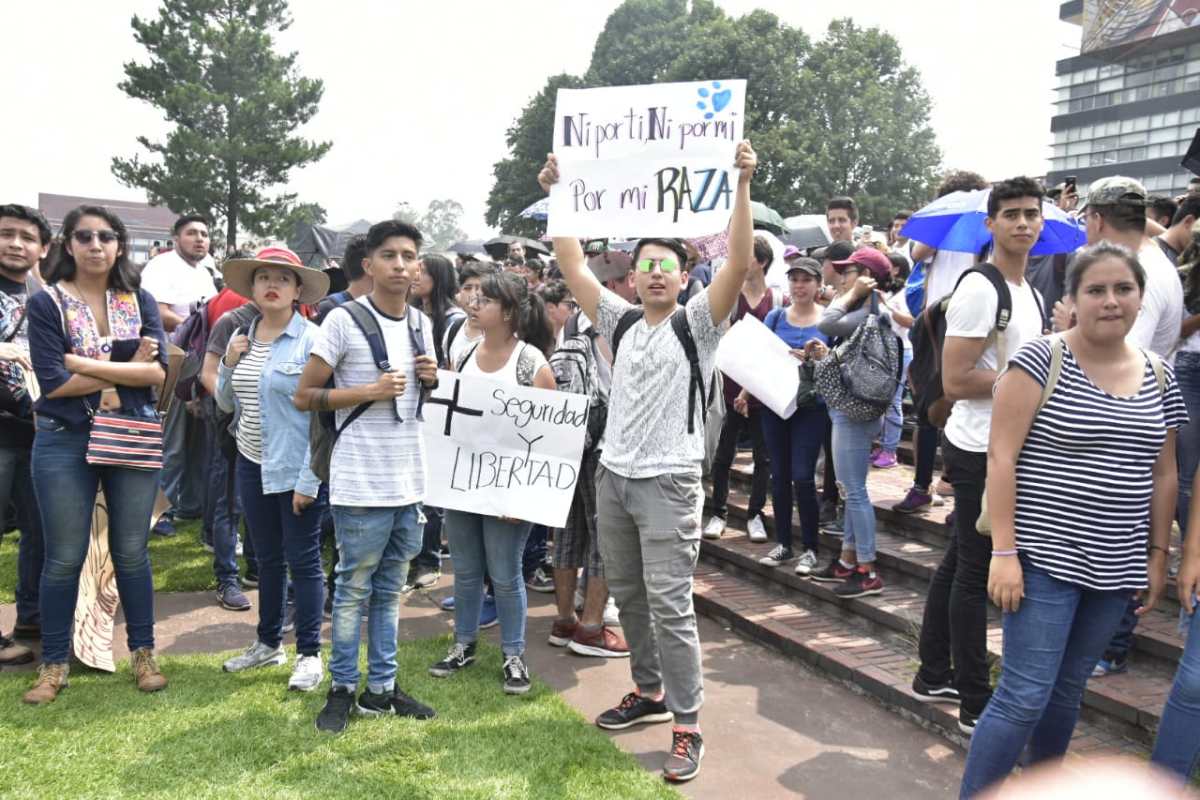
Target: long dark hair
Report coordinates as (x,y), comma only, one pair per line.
(529,320)
(441,299)
(122,276)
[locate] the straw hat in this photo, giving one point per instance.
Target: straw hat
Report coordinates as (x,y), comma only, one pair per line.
(239,273)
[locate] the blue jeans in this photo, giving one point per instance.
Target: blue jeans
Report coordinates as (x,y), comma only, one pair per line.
(893,418)
(66,486)
(1187,443)
(1177,747)
(184,440)
(1051,645)
(222,511)
(279,535)
(16,486)
(793,445)
(480,543)
(851,459)
(374,548)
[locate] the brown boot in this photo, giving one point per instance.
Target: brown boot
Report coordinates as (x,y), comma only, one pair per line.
(146,672)
(52,679)
(12,653)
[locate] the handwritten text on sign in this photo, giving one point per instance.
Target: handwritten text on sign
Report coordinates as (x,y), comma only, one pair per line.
(503,450)
(654,160)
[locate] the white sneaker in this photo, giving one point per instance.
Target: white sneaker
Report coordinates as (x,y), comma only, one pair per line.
(611,619)
(756,529)
(307,674)
(714,528)
(806,563)
(256,655)
(938,500)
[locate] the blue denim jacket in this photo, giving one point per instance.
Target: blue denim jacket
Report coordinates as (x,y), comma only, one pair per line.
(284,428)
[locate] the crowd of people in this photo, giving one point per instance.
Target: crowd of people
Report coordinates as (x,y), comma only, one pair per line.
(1060,404)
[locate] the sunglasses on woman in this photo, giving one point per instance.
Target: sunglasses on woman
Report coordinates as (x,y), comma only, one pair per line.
(85,237)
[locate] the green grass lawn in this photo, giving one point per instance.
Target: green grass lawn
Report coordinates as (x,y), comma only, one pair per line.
(180,562)
(225,736)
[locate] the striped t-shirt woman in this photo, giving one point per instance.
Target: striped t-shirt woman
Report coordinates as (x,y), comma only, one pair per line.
(246,377)
(1084,476)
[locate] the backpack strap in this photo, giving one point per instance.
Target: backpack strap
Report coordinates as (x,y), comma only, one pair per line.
(683,332)
(626,322)
(452,334)
(772,320)
(1160,372)
(416,339)
(1052,376)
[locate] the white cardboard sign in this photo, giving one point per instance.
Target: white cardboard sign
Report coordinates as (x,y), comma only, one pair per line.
(762,363)
(503,450)
(652,160)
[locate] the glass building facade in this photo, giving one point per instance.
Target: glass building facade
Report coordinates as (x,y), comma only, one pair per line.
(1131,109)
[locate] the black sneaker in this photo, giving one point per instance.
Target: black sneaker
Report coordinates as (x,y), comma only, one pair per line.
(336,713)
(516,675)
(834,572)
(289,618)
(683,764)
(634,710)
(459,656)
(396,702)
(250,580)
(943,692)
(967,720)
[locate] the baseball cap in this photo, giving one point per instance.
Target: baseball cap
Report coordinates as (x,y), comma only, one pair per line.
(790,252)
(870,259)
(805,264)
(1115,190)
(837,251)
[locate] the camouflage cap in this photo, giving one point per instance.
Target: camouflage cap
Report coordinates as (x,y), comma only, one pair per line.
(1115,190)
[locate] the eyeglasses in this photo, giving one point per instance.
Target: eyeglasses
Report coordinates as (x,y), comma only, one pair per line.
(86,236)
(479,300)
(667,265)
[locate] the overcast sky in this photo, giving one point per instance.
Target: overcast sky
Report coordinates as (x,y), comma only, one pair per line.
(418,95)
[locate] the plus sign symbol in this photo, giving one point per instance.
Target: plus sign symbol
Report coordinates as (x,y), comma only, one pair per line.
(452,407)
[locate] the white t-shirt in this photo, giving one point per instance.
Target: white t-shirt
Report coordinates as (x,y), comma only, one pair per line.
(508,372)
(1157,325)
(463,342)
(897,302)
(178,284)
(378,461)
(972,315)
(947,267)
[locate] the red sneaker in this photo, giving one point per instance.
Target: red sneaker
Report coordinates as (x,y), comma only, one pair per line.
(603,643)
(562,633)
(833,573)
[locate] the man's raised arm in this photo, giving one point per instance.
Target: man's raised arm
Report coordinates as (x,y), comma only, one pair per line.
(727,283)
(571,260)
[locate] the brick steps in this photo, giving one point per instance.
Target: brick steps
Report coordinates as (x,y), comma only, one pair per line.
(910,547)
(879,664)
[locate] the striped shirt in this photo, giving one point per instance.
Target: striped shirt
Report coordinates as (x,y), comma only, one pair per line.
(1084,475)
(246,378)
(379,460)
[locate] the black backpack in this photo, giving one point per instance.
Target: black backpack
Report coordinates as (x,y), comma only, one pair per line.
(683,332)
(323,431)
(928,337)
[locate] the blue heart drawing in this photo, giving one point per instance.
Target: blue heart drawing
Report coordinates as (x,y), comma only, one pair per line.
(721,99)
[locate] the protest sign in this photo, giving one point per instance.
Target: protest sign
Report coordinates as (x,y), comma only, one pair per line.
(503,450)
(653,160)
(771,375)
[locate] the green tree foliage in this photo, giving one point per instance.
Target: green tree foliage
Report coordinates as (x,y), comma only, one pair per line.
(841,115)
(234,105)
(299,214)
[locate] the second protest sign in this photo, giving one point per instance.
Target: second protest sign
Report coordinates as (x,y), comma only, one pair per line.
(503,450)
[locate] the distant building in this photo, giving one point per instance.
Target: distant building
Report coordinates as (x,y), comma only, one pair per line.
(1129,103)
(146,224)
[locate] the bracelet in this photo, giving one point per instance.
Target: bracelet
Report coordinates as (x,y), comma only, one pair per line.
(1159,547)
(1004,552)
(112,389)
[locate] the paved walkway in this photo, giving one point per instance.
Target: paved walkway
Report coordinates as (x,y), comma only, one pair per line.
(773,728)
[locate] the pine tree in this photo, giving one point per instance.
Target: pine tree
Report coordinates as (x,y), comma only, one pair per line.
(234,104)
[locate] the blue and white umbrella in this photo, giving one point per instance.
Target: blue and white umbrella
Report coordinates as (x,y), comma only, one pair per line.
(957,222)
(539,210)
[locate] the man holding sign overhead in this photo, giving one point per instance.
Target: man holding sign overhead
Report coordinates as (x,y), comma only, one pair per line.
(648,491)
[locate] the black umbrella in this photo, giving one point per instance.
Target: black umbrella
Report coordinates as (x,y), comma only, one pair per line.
(467,247)
(805,237)
(498,248)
